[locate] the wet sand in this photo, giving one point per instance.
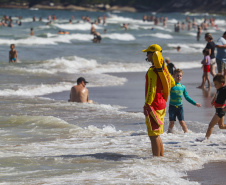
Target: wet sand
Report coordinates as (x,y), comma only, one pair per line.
(213,173)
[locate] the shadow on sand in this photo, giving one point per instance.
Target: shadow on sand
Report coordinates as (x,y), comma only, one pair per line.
(105,156)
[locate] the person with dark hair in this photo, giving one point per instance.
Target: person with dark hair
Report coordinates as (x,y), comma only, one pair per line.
(219,103)
(206,69)
(13,57)
(79,93)
(171,67)
(221,54)
(199,33)
(211,47)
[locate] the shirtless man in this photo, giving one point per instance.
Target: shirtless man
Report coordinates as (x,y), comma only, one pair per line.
(92,31)
(79,93)
(13,57)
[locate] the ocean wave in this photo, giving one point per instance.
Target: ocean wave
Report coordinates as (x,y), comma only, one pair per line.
(77,26)
(115,19)
(55,39)
(76,64)
(43,89)
(117,36)
(37,140)
(36,90)
(158,35)
(186,48)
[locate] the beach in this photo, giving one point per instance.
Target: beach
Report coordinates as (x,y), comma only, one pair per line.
(216,169)
(47,140)
(131,96)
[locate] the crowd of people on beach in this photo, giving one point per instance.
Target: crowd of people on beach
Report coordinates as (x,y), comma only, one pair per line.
(155,104)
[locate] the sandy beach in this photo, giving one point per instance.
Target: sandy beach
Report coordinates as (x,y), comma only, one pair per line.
(212,174)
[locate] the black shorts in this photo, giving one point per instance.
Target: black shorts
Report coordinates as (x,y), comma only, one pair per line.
(220,112)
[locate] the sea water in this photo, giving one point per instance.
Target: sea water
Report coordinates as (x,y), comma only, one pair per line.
(48,140)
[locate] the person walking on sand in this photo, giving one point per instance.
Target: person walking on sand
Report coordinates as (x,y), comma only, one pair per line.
(206,69)
(79,93)
(219,104)
(221,54)
(13,57)
(155,103)
(176,104)
(211,47)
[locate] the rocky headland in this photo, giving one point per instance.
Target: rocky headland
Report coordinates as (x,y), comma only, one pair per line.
(194,6)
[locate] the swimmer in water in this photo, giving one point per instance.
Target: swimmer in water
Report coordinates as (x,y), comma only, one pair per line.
(79,93)
(13,57)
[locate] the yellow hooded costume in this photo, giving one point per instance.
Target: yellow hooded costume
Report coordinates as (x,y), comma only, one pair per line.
(157,89)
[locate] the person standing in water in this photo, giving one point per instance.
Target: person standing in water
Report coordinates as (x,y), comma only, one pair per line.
(211,47)
(13,57)
(155,103)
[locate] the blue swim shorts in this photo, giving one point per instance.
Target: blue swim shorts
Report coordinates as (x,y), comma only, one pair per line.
(176,111)
(13,59)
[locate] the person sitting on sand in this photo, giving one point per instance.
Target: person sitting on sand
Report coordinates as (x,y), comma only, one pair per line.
(79,93)
(13,57)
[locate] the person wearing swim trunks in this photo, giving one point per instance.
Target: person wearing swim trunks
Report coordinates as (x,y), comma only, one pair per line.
(97,37)
(176,104)
(219,104)
(154,103)
(13,57)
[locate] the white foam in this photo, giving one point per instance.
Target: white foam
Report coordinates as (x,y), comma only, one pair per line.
(121,158)
(36,90)
(78,26)
(187,48)
(120,19)
(118,36)
(159,35)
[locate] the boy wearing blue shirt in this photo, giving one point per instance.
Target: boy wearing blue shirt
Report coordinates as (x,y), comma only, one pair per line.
(176,104)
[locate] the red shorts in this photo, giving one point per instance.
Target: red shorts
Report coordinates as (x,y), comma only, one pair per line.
(206,68)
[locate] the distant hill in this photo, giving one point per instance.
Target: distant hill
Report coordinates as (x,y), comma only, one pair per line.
(199,6)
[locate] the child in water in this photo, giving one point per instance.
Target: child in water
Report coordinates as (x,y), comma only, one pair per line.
(206,69)
(219,104)
(13,57)
(176,104)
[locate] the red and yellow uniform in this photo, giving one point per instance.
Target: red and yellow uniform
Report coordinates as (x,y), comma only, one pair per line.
(155,102)
(157,89)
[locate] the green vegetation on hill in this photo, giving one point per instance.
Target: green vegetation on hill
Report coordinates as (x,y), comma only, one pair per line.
(87,2)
